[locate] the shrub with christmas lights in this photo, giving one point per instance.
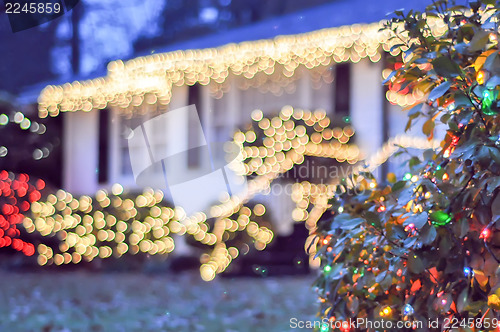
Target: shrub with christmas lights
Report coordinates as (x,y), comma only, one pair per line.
(17,194)
(426,247)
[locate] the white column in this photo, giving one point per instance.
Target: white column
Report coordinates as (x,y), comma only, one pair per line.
(234,107)
(80,151)
(114,146)
(305,90)
(180,99)
(206,115)
(366,105)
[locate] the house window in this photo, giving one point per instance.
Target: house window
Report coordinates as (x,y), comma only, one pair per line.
(194,155)
(103,156)
(342,90)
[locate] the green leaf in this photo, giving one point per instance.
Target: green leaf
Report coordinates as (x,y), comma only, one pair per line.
(462,100)
(439,91)
(408,124)
(444,246)
(419,220)
(493,183)
(461,48)
(428,127)
(405,196)
(428,234)
(445,118)
(398,12)
(346,222)
(495,207)
(415,110)
(335,271)
(462,226)
(398,186)
(410,242)
(428,154)
(386,282)
(453,126)
(475,306)
(353,305)
(445,67)
(491,63)
(373,219)
(495,154)
(457,8)
(462,299)
(381,276)
(415,264)
(479,40)
(493,82)
(484,156)
(414,161)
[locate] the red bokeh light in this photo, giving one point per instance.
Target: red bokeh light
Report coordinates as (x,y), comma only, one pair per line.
(485,234)
(16,196)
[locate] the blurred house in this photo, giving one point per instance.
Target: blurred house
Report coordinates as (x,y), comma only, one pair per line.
(331,57)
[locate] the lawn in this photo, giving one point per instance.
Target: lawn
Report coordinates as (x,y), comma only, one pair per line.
(85,301)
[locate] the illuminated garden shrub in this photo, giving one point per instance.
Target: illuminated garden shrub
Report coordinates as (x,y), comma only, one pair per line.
(17,194)
(426,246)
(114,223)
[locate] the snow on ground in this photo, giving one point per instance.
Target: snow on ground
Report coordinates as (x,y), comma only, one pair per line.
(85,301)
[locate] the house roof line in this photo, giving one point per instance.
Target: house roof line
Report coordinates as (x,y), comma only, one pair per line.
(149,79)
(331,14)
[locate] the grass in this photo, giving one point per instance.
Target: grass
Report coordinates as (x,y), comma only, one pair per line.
(84,301)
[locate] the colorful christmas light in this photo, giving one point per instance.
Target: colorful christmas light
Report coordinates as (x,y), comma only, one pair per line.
(440,218)
(408,310)
(489,97)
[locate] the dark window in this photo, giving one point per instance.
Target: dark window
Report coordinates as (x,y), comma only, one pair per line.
(194,155)
(342,88)
(103,157)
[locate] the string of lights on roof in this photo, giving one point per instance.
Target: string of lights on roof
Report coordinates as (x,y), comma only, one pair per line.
(148,80)
(278,82)
(270,65)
